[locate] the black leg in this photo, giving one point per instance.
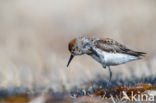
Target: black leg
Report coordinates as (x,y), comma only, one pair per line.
(110,72)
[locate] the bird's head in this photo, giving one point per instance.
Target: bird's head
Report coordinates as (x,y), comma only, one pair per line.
(77,46)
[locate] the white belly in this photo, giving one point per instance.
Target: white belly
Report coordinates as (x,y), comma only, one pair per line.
(113,58)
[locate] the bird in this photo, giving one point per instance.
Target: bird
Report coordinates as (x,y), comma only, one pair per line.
(105,51)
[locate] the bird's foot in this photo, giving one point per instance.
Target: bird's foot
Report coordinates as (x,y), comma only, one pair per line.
(109,84)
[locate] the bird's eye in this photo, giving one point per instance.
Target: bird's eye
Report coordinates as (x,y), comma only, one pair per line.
(73,49)
(76,48)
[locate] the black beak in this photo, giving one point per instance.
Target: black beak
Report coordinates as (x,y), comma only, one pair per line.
(70,59)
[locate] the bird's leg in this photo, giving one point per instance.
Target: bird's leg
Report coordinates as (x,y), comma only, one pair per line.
(110,73)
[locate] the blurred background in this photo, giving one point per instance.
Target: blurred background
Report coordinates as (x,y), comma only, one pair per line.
(34,37)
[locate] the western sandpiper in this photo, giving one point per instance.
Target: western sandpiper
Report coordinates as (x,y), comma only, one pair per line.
(107,52)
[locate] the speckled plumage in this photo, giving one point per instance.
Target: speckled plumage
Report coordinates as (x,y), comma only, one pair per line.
(107,52)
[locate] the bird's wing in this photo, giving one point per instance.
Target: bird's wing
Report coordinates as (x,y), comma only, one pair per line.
(110,45)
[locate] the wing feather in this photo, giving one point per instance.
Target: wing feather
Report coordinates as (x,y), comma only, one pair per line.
(110,45)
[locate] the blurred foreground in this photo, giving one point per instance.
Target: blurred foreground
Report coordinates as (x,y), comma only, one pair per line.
(96,92)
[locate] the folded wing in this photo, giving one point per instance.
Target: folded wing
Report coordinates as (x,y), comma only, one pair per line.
(110,45)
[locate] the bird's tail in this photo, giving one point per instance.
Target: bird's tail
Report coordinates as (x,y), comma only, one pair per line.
(138,54)
(141,53)
(134,53)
